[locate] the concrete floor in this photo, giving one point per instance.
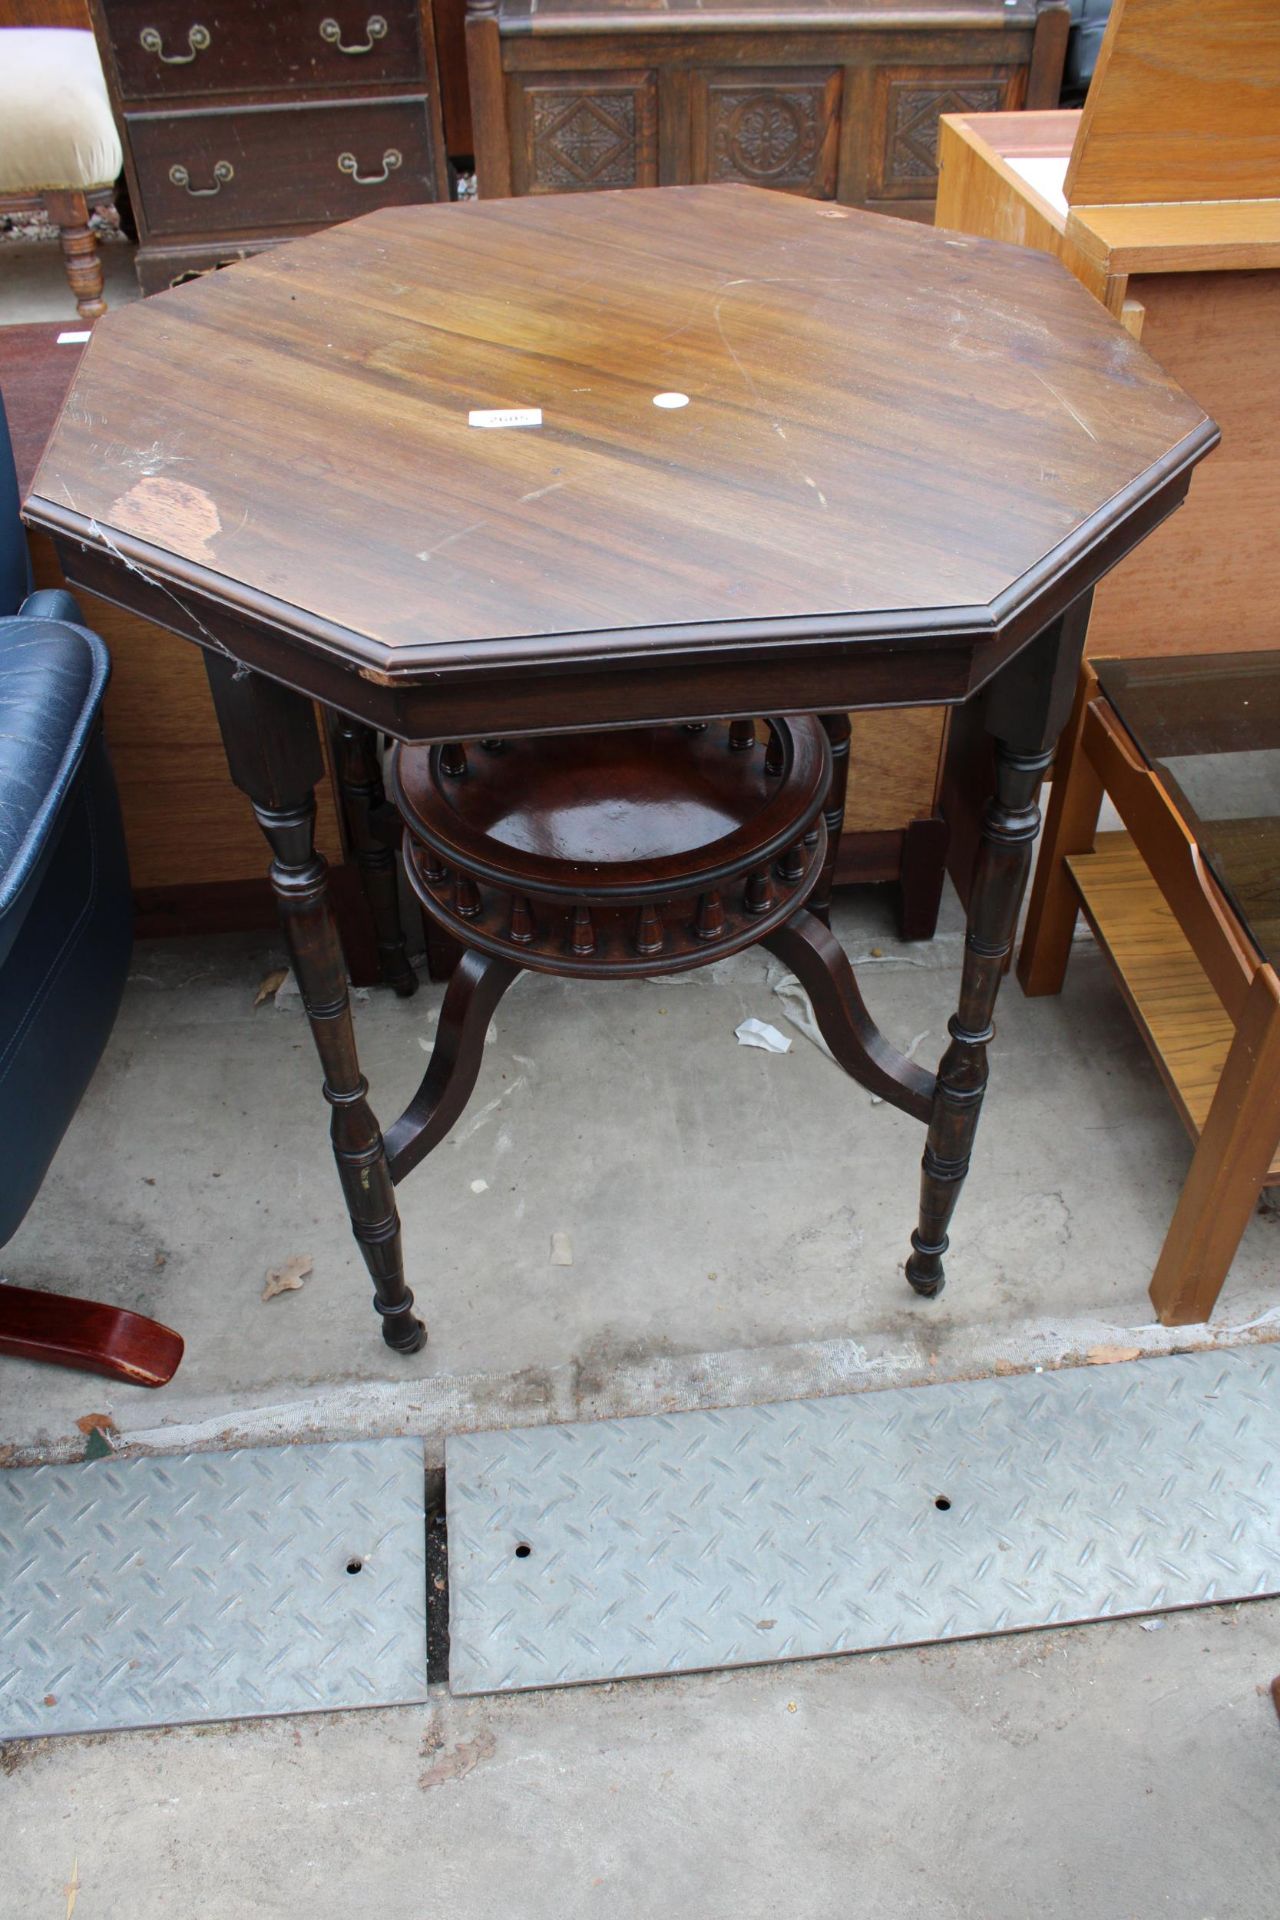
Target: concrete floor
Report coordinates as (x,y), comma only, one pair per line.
(1100,1773)
(738,1219)
(738,1222)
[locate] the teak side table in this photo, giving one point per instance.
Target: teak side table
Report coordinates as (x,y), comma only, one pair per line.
(621,470)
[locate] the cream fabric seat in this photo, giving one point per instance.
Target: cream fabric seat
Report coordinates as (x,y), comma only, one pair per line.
(59,147)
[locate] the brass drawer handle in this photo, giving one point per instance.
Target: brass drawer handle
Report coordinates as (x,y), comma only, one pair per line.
(222,172)
(347,163)
(197,40)
(375,26)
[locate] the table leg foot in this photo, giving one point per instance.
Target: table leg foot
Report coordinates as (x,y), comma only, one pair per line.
(924,1267)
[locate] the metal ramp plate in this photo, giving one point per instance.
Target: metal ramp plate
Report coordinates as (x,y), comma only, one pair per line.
(142,1593)
(681,1542)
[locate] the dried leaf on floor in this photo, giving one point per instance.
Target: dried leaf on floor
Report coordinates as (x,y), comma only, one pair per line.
(1107,1356)
(270,984)
(289,1277)
(96,1423)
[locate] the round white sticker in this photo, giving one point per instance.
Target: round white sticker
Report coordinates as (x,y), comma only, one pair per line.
(670,400)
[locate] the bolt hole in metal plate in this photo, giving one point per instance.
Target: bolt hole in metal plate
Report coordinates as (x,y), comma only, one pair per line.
(680,1542)
(141,1593)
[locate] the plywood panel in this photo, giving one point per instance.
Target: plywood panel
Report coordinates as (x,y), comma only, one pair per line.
(1208,580)
(1184,105)
(893,767)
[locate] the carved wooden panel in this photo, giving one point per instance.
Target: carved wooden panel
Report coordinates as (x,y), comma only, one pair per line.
(909,102)
(584,132)
(770,129)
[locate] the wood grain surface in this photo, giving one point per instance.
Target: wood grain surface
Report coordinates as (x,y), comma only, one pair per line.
(1186,1026)
(166,750)
(885,425)
(1184,104)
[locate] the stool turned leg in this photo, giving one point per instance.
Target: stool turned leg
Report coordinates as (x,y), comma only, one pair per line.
(837,731)
(70,214)
(273,751)
(360,778)
(1009,828)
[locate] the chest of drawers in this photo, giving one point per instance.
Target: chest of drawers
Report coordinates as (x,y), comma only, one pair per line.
(245,125)
(837,99)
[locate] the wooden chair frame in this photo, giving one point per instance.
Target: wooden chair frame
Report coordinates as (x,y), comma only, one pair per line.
(1224,1077)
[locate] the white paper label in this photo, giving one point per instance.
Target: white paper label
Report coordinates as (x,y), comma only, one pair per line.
(73,339)
(505,417)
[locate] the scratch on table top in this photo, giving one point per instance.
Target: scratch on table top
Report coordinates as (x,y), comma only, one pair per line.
(429,553)
(539,491)
(1064,402)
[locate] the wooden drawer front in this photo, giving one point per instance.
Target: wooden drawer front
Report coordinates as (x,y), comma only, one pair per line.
(903,161)
(233,46)
(894,762)
(573,132)
(769,127)
(275,167)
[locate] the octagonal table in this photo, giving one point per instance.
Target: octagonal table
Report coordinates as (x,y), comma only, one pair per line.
(610,461)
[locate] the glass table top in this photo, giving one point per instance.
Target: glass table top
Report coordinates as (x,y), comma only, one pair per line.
(1208,726)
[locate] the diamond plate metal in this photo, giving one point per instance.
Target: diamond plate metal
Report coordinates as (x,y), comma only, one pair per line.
(686,1541)
(140,1593)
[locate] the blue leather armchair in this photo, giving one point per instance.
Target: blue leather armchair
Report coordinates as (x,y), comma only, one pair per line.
(65,927)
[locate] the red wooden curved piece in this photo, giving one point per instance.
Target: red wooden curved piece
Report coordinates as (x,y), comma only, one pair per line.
(85,1334)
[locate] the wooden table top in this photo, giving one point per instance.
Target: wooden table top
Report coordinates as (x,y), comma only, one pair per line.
(891,434)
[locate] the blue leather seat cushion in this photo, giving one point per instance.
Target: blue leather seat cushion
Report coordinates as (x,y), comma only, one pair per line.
(52,679)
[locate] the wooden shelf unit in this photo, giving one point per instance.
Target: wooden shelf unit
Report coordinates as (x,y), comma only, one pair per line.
(1185,1025)
(1207,1004)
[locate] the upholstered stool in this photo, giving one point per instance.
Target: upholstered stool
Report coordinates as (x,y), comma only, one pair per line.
(59,149)
(610,855)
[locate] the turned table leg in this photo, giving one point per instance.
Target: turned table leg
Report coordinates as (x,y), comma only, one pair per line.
(360,778)
(1026,707)
(1004,859)
(273,751)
